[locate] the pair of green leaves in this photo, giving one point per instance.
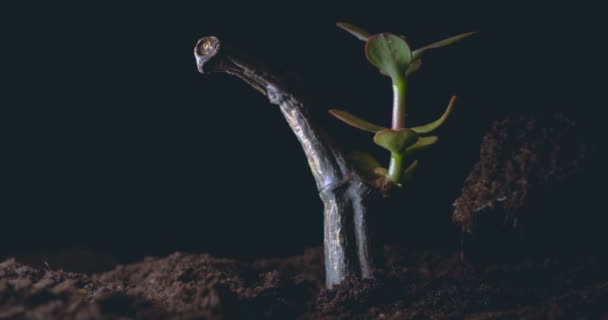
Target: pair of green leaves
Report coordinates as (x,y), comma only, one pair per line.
(364,125)
(391,53)
(404,142)
(399,141)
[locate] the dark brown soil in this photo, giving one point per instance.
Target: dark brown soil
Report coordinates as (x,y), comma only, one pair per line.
(416,286)
(519,156)
(533,192)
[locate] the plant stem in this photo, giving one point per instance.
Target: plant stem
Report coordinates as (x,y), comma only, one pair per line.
(348,244)
(399,90)
(395,167)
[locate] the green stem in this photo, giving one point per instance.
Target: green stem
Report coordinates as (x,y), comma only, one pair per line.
(395,169)
(399,90)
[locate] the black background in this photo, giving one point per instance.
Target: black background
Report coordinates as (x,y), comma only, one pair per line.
(114,141)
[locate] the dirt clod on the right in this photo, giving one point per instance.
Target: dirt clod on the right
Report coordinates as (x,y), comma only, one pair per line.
(521,158)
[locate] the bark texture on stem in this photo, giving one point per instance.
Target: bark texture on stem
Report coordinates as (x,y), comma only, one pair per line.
(344,194)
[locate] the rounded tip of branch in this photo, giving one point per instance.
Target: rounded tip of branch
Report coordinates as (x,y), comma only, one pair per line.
(205,49)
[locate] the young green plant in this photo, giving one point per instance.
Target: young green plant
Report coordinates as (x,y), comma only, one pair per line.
(393,57)
(351,188)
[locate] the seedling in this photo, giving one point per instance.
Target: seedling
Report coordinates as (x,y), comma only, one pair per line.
(393,57)
(348,187)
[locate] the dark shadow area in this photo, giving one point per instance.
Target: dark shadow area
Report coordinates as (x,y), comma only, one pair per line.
(116,143)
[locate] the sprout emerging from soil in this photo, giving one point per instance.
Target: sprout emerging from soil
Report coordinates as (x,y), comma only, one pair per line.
(393,57)
(350,188)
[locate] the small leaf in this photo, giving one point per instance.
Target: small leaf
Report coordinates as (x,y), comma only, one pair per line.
(421,144)
(430,127)
(439,44)
(366,165)
(355,121)
(408,174)
(389,53)
(354,30)
(381,172)
(396,141)
(414,66)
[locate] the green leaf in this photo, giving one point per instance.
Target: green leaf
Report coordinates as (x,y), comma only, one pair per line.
(408,174)
(366,165)
(355,121)
(354,30)
(389,53)
(430,127)
(421,144)
(439,44)
(396,141)
(381,172)
(414,66)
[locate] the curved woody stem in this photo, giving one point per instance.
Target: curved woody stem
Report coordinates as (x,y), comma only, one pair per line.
(346,197)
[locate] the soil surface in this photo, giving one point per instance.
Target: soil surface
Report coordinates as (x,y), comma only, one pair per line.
(427,285)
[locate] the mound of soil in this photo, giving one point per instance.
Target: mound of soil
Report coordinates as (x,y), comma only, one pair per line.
(519,156)
(533,192)
(416,286)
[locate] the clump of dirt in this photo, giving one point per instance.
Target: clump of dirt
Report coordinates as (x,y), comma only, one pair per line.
(521,157)
(417,285)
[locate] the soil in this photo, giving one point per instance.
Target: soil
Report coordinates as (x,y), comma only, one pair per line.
(519,156)
(533,191)
(423,285)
